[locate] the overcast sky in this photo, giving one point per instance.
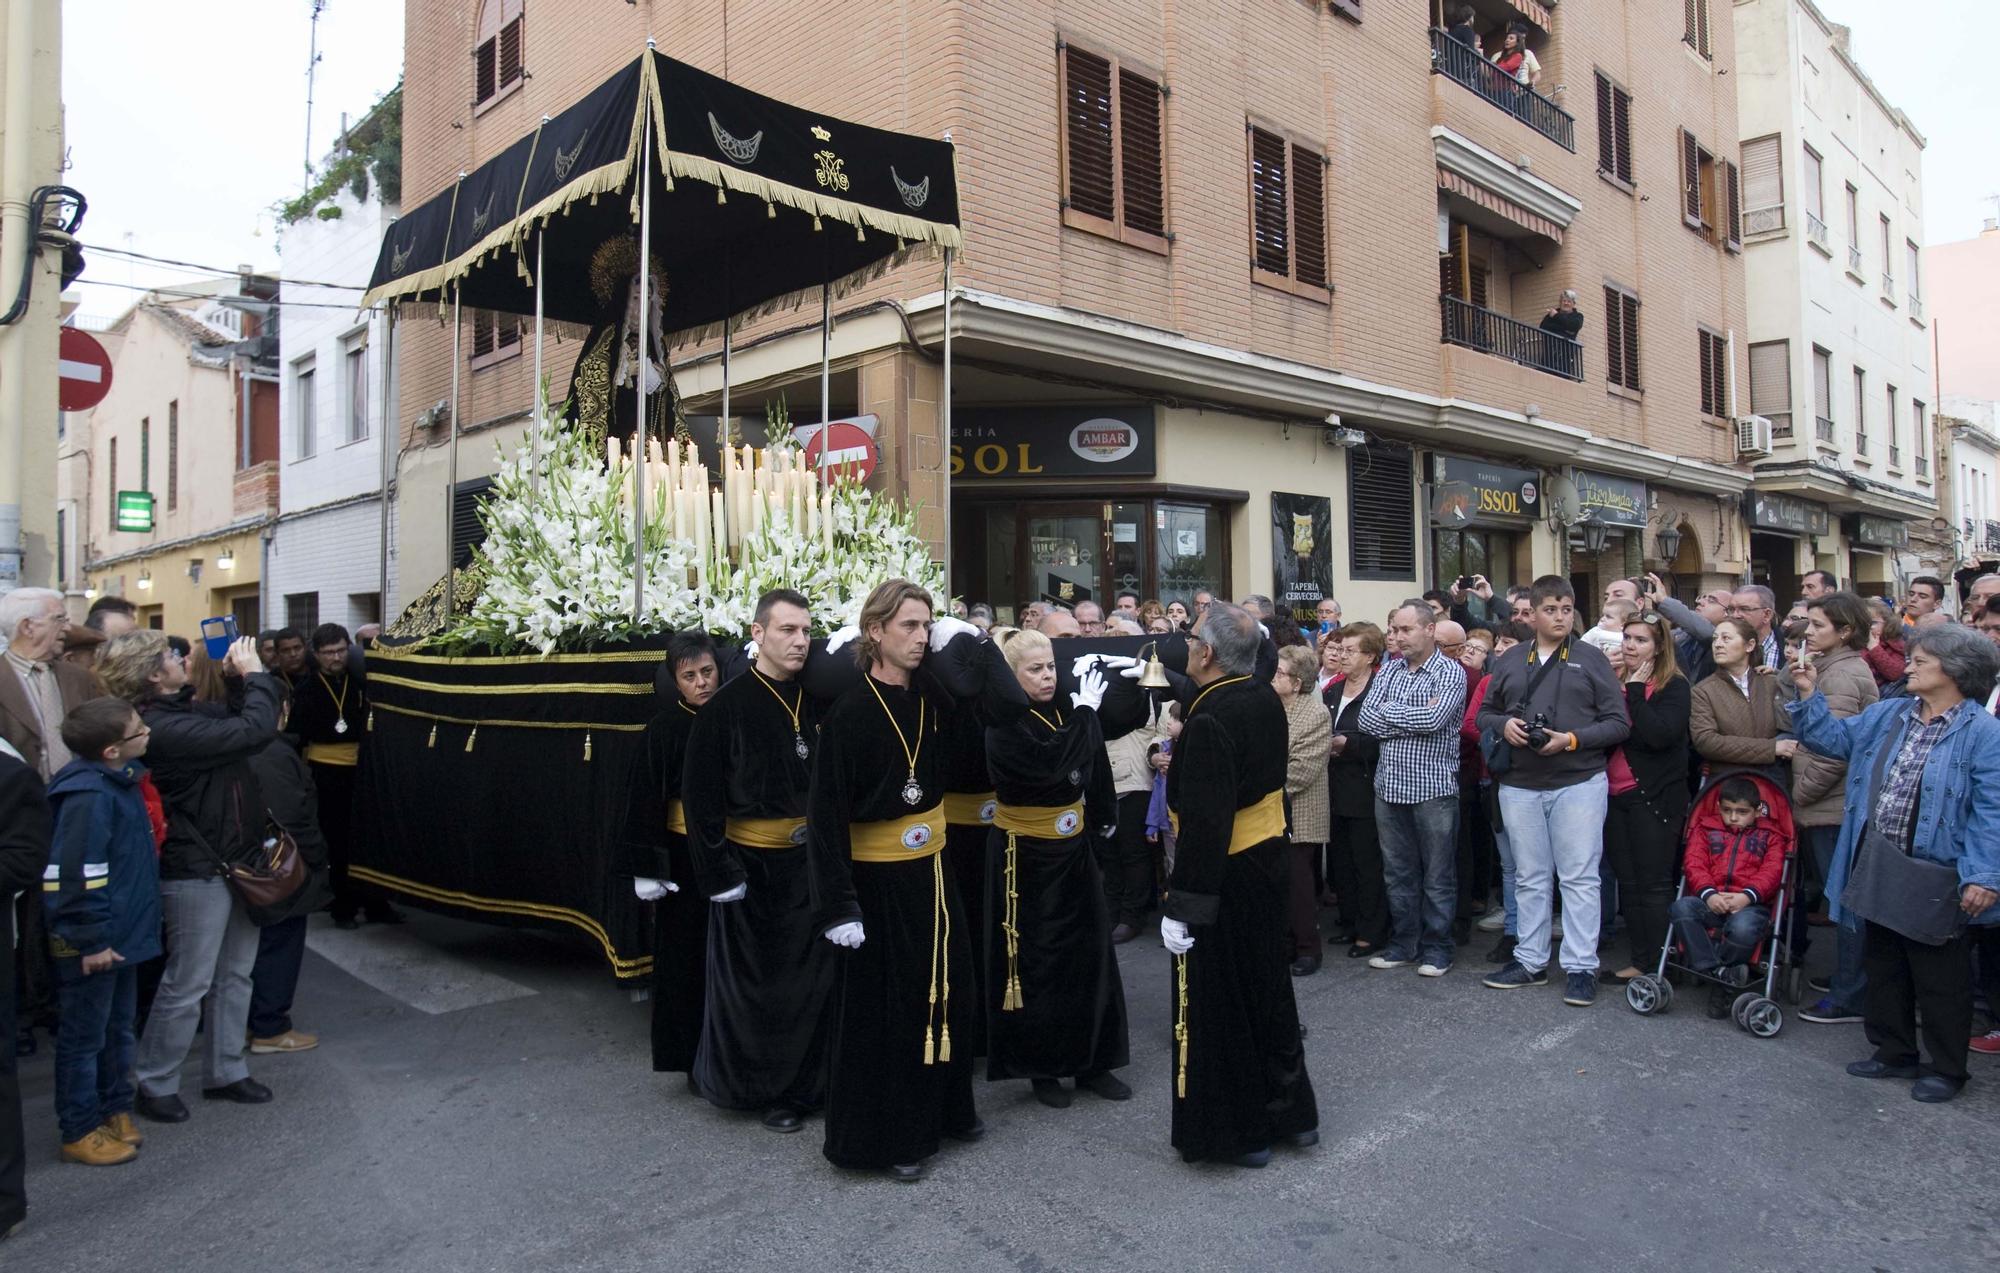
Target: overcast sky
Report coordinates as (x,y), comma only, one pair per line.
(186,122)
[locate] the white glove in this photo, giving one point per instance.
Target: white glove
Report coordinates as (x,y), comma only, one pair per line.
(736,894)
(1266,631)
(1129,667)
(1108,832)
(1089,691)
(652,890)
(841,636)
(945,627)
(750,650)
(1174,936)
(848,934)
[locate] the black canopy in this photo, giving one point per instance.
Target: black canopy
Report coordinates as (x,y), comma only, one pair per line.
(754,203)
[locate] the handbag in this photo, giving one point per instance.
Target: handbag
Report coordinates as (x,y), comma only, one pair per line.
(1494,748)
(1891,886)
(270,881)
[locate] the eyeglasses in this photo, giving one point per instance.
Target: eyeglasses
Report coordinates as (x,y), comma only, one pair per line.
(1451,645)
(143,730)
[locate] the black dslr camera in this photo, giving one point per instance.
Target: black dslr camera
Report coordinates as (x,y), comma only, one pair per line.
(1538,731)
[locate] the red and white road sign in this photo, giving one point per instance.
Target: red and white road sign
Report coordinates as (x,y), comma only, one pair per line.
(85,371)
(850,452)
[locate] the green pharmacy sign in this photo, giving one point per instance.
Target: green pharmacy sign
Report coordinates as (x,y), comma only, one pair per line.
(135,511)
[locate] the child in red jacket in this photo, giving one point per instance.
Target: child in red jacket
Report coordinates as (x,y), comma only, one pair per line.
(1734,867)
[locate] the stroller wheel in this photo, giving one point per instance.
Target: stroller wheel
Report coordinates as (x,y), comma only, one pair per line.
(1763,1018)
(1643,995)
(1742,1005)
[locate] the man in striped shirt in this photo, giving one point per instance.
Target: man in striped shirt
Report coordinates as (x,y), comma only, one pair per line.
(1415,709)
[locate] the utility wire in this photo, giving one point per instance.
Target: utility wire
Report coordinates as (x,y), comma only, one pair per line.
(213,269)
(210,296)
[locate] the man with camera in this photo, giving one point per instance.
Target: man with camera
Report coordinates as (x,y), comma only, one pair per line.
(1551,713)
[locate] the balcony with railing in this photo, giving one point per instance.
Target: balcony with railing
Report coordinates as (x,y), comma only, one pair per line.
(1860,443)
(1923,466)
(1854,261)
(1823,429)
(1889,288)
(1916,308)
(1471,327)
(1461,62)
(1895,456)
(1816,233)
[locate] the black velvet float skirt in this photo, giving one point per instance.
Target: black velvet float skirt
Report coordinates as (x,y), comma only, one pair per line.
(680,965)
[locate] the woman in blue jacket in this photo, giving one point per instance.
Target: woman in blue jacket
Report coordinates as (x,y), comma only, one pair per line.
(1919,850)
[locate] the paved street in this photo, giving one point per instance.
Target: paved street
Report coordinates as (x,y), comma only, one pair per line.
(482,1101)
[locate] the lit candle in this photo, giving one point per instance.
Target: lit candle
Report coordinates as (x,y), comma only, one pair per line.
(611,455)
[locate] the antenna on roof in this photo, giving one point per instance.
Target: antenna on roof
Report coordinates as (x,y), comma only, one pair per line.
(312,64)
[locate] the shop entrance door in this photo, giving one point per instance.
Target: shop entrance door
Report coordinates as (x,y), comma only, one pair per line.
(1063,557)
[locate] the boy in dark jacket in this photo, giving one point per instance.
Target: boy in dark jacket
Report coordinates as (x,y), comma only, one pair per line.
(102,894)
(1734,865)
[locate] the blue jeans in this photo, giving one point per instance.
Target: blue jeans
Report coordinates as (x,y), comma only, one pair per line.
(1558,835)
(1850,983)
(281,952)
(1505,848)
(1696,926)
(211,947)
(1420,873)
(93,1045)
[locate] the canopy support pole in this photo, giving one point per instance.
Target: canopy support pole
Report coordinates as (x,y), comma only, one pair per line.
(725,383)
(541,396)
(451,478)
(944,425)
(825,371)
(391,433)
(639,453)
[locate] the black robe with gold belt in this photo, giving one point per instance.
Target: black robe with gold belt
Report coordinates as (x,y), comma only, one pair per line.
(1241,1082)
(655,847)
(968,810)
(1054,997)
(770,976)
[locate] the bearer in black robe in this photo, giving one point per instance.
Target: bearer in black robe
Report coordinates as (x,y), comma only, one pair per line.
(656,852)
(1055,1000)
(1240,1069)
(770,977)
(329,716)
(968,813)
(901,1076)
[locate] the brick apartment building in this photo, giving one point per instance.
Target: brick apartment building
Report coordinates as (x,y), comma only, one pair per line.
(1224,229)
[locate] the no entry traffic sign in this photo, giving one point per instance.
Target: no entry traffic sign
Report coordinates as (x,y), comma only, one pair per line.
(85,371)
(850,452)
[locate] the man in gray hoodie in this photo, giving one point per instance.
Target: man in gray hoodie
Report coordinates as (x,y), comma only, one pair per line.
(1560,711)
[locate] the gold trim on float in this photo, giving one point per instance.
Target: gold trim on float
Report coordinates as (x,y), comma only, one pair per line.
(535,910)
(513,724)
(474,660)
(427,687)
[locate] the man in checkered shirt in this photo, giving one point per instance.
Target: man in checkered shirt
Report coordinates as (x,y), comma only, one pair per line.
(1415,708)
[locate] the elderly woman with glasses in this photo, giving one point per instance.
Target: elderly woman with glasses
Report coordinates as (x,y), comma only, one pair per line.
(1918,858)
(1309,730)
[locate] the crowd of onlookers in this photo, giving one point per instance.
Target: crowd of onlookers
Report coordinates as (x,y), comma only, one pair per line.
(164,828)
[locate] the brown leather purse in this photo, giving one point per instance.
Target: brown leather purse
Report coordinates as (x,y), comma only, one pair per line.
(269,880)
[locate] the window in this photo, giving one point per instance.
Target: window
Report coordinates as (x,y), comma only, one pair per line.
(1714,373)
(1912,279)
(1771,385)
(1888,261)
(1822,395)
(1114,179)
(494,336)
(356,376)
(1381,519)
(1854,218)
(1763,185)
(1889,423)
(468,529)
(1287,212)
(364,608)
(496,59)
(62,547)
(1814,199)
(111,472)
(1614,130)
(302,612)
(1860,412)
(1920,439)
(1462,270)
(145,453)
(306,386)
(1696,33)
(1621,337)
(173,455)
(1711,194)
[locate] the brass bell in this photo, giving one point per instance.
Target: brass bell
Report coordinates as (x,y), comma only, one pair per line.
(1155,675)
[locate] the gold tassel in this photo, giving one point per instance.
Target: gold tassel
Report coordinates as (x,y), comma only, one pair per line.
(1011,1000)
(770,212)
(370,727)
(472,738)
(720,197)
(944,955)
(1181,1024)
(860,236)
(930,1052)
(432,741)
(815,224)
(944,1050)
(586,746)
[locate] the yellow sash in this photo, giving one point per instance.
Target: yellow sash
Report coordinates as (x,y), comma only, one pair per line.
(766,833)
(969,809)
(346,754)
(910,839)
(1044,822)
(1254,824)
(676,818)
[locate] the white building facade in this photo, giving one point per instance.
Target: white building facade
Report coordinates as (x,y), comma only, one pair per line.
(1839,340)
(325,562)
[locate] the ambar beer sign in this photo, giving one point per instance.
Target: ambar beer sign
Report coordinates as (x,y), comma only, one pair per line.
(1089,440)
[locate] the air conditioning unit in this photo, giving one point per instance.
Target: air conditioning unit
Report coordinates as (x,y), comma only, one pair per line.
(1753,436)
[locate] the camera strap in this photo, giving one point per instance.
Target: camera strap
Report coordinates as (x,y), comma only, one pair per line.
(1561,656)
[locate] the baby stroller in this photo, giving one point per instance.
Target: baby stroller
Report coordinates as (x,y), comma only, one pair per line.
(1756,1012)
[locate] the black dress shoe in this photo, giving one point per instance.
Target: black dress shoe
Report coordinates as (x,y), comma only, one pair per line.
(1256,1158)
(1122,933)
(1874,1069)
(783,1118)
(1051,1093)
(1305,965)
(1934,1089)
(1303,1140)
(160,1109)
(1358,951)
(906,1173)
(1106,1085)
(242,1091)
(975,1132)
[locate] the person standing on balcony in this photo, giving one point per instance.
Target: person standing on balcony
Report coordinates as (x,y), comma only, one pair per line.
(1566,321)
(1463,30)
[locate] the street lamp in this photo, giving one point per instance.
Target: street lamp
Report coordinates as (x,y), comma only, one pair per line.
(145,581)
(1670,544)
(226,560)
(1595,536)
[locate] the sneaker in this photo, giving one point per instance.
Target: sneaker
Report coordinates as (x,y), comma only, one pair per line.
(98,1148)
(1493,921)
(1388,961)
(1826,1012)
(1737,975)
(1515,977)
(1820,985)
(1433,970)
(289,1041)
(1987,1044)
(1580,989)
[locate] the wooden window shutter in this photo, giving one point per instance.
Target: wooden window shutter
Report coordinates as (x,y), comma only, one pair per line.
(510,52)
(1822,384)
(1607,134)
(1451,271)
(468,529)
(1771,379)
(1701,28)
(1707,373)
(1475,273)
(1690,23)
(1088,131)
(1614,336)
(1309,216)
(483,329)
(1145,204)
(1629,329)
(1690,179)
(506,331)
(1381,521)
(485,70)
(1269,207)
(1621,110)
(1733,181)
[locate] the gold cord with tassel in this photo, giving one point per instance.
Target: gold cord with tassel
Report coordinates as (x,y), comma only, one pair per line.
(371,719)
(930,1010)
(944,1009)
(1010,999)
(472,738)
(586,746)
(1181,1024)
(432,741)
